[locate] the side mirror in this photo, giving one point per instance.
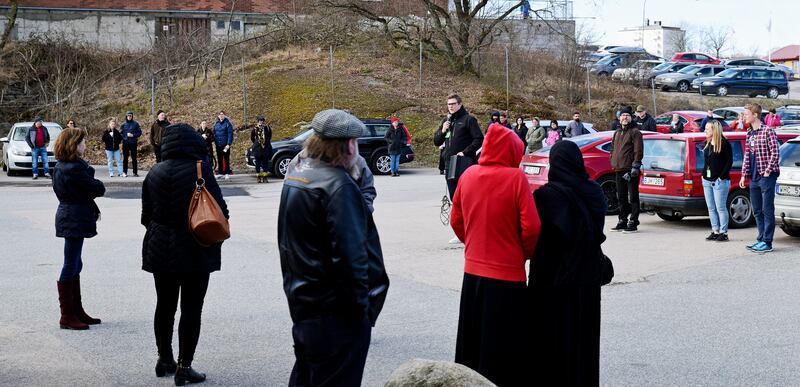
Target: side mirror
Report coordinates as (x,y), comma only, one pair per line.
(4,139)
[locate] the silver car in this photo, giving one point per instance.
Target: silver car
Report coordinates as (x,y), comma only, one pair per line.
(17,153)
(787,191)
(681,80)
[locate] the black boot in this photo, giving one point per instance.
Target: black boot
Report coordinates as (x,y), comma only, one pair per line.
(186,374)
(166,362)
(165,366)
(621,225)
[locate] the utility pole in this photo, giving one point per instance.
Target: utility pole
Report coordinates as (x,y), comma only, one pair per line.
(333,92)
(244,95)
(507,80)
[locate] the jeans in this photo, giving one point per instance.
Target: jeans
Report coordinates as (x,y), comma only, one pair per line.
(628,196)
(129,150)
(762,197)
(262,164)
(223,161)
(394,164)
(330,351)
(157,152)
(35,154)
(113,156)
(192,289)
(716,193)
(72,258)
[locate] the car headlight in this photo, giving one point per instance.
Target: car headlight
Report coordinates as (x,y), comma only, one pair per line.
(18,152)
(708,83)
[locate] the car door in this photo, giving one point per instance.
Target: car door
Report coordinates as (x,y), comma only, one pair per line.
(742,83)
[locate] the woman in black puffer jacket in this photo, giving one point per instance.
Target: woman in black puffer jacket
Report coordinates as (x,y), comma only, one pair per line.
(169,251)
(76,219)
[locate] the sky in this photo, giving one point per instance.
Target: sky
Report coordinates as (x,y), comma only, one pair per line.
(746,19)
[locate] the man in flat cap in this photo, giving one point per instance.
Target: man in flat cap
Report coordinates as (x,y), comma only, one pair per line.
(331,259)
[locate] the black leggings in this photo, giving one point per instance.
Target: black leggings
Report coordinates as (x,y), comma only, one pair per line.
(192,288)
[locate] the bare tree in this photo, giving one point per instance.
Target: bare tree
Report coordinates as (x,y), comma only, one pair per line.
(227,39)
(12,19)
(717,39)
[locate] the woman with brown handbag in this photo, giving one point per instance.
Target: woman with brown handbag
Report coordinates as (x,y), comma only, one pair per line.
(179,263)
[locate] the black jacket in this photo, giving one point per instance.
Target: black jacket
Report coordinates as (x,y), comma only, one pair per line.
(259,151)
(168,246)
(31,137)
(330,251)
(522,133)
(718,165)
(112,141)
(76,188)
(209,139)
(676,128)
(646,123)
(396,138)
(465,135)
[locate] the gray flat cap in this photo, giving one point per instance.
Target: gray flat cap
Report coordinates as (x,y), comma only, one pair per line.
(334,123)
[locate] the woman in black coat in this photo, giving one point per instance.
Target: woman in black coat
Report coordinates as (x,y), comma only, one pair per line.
(169,251)
(261,136)
(564,283)
(76,219)
(396,140)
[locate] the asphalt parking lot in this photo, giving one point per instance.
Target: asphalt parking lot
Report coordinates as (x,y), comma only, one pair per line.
(681,311)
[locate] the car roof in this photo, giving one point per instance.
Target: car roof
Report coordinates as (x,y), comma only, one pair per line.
(691,113)
(376,121)
(702,135)
(694,52)
(30,123)
(737,109)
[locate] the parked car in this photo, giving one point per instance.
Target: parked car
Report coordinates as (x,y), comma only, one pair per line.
(604,49)
(681,80)
(638,73)
(596,149)
(691,120)
(667,68)
(790,114)
(372,146)
(760,63)
(17,153)
(746,81)
(787,192)
(731,113)
(672,167)
(606,66)
(562,125)
(695,57)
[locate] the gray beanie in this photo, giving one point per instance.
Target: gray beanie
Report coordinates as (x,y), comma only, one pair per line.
(334,123)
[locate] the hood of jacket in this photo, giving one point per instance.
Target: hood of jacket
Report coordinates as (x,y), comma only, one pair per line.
(501,147)
(181,141)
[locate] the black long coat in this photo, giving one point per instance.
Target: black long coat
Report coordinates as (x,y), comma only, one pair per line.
(76,188)
(168,245)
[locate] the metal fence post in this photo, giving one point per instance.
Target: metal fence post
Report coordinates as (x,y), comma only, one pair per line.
(152,96)
(653,87)
(507,80)
(244,95)
(589,92)
(333,92)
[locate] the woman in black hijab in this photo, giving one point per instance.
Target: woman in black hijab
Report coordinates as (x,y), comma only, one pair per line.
(564,283)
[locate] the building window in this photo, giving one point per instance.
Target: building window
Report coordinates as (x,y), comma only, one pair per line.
(220,24)
(236,25)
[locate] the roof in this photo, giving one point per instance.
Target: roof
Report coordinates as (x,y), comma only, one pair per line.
(695,114)
(790,52)
(243,6)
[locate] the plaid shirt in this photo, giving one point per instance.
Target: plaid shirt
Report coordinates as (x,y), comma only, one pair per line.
(764,144)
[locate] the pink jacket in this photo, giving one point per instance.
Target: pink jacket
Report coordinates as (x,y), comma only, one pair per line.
(772,122)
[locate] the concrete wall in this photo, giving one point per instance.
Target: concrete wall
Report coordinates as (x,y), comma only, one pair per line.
(657,41)
(537,35)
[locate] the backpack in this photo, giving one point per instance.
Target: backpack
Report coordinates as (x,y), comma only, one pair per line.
(552,137)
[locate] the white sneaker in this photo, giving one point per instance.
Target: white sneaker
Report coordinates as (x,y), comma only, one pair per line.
(455,241)
(217,176)
(123,175)
(227,177)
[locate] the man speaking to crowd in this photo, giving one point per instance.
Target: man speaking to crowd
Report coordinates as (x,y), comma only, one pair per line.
(461,136)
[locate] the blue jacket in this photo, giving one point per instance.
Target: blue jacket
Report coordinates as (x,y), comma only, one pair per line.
(133,128)
(31,138)
(223,132)
(76,188)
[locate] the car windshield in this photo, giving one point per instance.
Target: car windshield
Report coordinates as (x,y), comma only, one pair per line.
(790,154)
(728,73)
(20,133)
(663,66)
(664,155)
(689,69)
(581,141)
(607,60)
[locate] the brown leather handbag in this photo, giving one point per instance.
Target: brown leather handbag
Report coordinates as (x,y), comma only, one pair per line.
(206,221)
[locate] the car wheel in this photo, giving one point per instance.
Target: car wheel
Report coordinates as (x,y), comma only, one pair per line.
(722,91)
(669,218)
(281,165)
(609,187)
(791,231)
(381,164)
(683,86)
(740,211)
(602,74)
(772,92)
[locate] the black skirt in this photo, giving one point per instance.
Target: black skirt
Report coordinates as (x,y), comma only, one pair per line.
(493,329)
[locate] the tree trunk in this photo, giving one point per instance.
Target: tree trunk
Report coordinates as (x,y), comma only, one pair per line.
(12,19)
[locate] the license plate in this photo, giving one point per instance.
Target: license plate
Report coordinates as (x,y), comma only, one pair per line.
(659,181)
(789,190)
(532,170)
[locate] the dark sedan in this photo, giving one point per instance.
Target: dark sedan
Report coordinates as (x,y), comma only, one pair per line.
(371,146)
(746,81)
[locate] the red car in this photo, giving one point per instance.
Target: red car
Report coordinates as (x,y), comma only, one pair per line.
(691,121)
(672,168)
(595,148)
(695,57)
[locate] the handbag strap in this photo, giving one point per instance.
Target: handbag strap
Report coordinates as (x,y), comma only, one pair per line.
(200,181)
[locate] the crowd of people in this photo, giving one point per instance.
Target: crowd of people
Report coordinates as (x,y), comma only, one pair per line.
(511,323)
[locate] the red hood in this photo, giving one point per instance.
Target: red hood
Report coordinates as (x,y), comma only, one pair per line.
(501,147)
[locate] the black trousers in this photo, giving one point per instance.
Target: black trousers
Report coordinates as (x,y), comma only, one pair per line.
(330,351)
(223,161)
(129,150)
(192,289)
(157,152)
(628,195)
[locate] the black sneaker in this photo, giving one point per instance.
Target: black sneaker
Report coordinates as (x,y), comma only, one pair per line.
(621,225)
(723,237)
(632,228)
(713,236)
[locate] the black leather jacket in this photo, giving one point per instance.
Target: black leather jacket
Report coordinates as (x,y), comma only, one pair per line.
(330,251)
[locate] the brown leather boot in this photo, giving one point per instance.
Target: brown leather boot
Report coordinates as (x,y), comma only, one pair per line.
(78,306)
(65,299)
